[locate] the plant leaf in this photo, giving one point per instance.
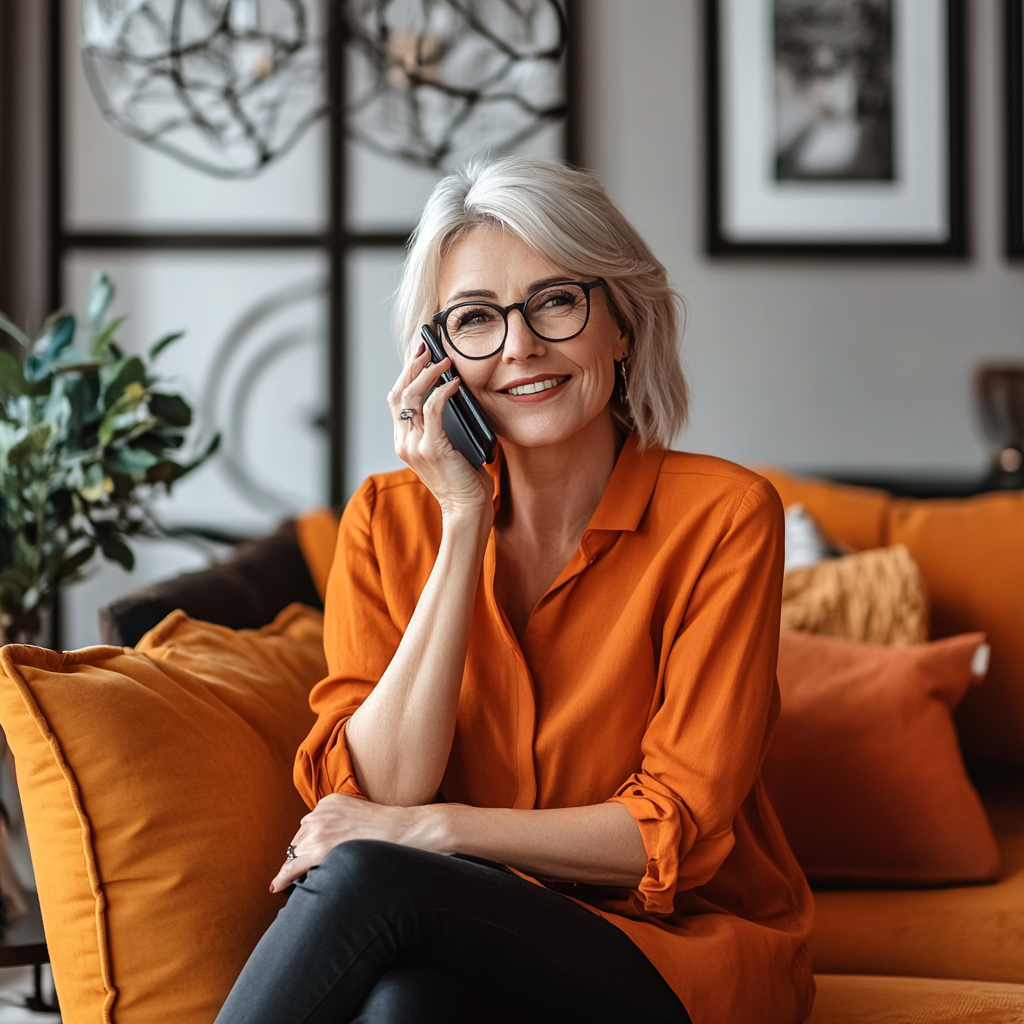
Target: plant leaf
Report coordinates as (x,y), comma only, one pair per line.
(172,409)
(131,371)
(33,443)
(115,550)
(12,376)
(73,563)
(130,460)
(100,342)
(101,294)
(8,325)
(167,339)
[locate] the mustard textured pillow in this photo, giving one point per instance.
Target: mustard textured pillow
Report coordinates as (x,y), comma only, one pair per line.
(874,596)
(157,791)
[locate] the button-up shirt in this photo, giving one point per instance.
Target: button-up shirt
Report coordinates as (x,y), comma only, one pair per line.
(645,675)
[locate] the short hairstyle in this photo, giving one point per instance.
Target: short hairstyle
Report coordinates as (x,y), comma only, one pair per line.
(565,215)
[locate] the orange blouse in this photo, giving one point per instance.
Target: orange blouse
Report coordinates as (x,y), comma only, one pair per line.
(646,675)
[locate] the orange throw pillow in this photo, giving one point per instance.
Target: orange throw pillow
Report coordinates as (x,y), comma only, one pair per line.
(157,791)
(318,538)
(864,769)
(971,554)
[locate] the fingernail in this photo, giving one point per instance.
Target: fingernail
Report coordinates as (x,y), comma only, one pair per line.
(271,886)
(422,348)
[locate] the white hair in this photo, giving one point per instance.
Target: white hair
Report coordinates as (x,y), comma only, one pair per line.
(565,215)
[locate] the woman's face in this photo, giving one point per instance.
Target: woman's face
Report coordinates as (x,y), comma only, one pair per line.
(495,265)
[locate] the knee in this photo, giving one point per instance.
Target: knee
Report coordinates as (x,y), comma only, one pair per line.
(367,867)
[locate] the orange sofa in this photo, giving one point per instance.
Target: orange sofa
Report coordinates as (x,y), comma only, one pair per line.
(942,954)
(116,767)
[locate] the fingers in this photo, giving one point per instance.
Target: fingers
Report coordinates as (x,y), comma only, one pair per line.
(293,869)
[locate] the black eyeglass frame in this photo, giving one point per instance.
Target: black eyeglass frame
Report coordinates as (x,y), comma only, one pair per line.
(441,319)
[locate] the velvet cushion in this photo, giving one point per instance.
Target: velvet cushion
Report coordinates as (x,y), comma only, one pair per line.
(877,596)
(864,769)
(971,554)
(157,792)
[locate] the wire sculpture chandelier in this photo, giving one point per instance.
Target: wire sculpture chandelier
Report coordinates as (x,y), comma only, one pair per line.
(224,86)
(434,81)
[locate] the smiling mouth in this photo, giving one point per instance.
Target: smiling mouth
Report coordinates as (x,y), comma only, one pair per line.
(536,386)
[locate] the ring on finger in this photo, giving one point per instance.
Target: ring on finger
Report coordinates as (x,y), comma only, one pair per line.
(291,854)
(406,414)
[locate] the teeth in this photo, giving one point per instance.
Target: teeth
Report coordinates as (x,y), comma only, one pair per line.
(540,385)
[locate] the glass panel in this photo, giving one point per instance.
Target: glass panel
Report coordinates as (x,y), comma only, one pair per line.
(253,366)
(113,182)
(387,194)
(373,363)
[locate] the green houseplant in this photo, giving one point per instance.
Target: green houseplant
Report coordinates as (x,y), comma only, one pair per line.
(86,439)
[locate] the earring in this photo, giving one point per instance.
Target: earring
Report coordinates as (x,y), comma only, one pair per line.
(624,390)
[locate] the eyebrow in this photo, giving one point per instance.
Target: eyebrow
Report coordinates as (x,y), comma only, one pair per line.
(485,293)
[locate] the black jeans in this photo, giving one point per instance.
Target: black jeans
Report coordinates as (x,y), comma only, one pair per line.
(385,933)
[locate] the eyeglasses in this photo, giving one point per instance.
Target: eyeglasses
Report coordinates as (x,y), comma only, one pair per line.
(556,312)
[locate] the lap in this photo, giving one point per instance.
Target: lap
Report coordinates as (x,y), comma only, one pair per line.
(372,907)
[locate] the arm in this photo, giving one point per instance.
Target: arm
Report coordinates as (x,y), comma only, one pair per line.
(600,844)
(399,736)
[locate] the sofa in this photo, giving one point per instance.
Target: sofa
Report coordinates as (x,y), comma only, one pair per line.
(883,954)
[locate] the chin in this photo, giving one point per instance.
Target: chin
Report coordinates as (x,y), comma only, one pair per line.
(540,431)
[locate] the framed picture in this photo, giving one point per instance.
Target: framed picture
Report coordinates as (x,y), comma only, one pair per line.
(835,127)
(1014,129)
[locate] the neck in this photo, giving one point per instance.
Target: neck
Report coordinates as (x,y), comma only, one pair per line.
(552,491)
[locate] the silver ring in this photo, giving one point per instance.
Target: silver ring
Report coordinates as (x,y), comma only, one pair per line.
(291,854)
(406,414)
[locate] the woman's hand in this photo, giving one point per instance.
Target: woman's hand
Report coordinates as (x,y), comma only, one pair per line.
(337,819)
(421,443)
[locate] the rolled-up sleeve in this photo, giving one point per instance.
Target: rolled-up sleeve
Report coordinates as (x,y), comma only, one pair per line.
(360,639)
(703,748)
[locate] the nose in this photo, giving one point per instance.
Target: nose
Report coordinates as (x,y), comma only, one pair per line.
(521,342)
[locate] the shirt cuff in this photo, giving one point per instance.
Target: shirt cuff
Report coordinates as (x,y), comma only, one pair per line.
(667,831)
(323,764)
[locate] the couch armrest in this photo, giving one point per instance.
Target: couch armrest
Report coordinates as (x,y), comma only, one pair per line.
(245,592)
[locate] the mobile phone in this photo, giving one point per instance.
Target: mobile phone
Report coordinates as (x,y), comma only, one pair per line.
(464,422)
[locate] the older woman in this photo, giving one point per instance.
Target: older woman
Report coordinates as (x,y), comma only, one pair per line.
(534,777)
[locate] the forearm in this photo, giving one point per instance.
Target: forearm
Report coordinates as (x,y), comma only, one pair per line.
(401,736)
(599,844)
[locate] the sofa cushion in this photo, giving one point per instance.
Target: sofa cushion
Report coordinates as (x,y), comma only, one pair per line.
(864,768)
(855,999)
(854,516)
(157,794)
(971,554)
(877,596)
(317,533)
(965,932)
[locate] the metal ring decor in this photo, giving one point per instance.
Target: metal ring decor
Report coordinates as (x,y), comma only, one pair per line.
(406,414)
(291,854)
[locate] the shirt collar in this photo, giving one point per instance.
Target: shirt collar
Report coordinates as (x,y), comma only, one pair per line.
(630,488)
(628,492)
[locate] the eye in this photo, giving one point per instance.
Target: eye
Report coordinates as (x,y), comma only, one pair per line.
(472,316)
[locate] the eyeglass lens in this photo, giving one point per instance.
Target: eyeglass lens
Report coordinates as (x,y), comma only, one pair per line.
(555,313)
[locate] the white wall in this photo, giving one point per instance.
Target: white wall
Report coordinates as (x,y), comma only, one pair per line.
(809,363)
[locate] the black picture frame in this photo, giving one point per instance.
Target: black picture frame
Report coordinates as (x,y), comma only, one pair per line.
(953,246)
(1014,69)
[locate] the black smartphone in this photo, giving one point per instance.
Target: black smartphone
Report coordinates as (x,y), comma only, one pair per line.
(464,421)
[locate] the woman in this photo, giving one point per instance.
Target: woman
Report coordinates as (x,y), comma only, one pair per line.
(559,669)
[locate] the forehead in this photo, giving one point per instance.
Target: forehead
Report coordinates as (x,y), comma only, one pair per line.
(490,258)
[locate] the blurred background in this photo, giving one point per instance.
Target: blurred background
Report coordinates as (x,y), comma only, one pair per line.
(279,258)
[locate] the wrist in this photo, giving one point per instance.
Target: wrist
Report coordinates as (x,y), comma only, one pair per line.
(432,829)
(476,519)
